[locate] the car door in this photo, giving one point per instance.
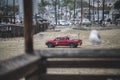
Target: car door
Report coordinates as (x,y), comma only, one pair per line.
(57,40)
(62,41)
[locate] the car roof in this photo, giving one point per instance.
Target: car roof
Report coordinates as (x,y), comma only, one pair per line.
(63,37)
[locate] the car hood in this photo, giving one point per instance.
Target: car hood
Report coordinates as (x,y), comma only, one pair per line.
(76,40)
(49,40)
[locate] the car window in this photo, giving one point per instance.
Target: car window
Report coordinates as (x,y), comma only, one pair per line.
(58,39)
(67,38)
(62,39)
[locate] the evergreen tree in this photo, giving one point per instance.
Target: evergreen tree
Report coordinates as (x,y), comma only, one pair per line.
(117,5)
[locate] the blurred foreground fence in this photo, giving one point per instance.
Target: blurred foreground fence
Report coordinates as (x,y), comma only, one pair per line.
(15,30)
(35,66)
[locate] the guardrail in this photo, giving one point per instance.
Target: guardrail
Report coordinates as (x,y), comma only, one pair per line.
(35,66)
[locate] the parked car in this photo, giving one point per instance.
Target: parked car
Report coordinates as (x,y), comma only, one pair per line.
(76,21)
(86,22)
(63,22)
(69,22)
(63,41)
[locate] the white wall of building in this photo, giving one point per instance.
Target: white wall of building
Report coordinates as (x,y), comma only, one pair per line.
(35,7)
(20,3)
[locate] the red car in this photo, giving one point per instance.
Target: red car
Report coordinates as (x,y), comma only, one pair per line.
(63,41)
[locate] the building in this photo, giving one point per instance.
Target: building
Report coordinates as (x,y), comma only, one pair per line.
(109,11)
(35,7)
(7,10)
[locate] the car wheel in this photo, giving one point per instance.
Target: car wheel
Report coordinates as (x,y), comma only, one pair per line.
(50,45)
(75,46)
(72,45)
(80,43)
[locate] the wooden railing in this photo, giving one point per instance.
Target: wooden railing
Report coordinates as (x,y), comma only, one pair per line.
(11,30)
(35,66)
(15,30)
(40,27)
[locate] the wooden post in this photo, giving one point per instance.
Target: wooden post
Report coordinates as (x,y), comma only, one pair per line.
(28,26)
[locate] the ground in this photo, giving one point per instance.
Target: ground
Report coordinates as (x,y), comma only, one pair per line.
(15,46)
(110,38)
